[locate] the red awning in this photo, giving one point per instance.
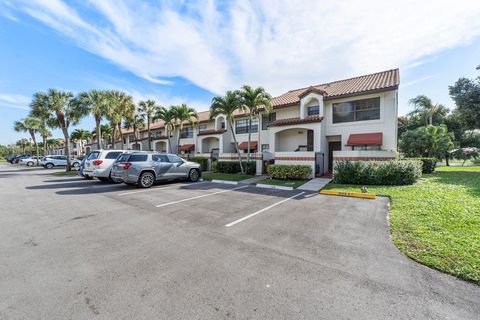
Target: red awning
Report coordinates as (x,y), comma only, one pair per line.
(244,145)
(365,139)
(187,147)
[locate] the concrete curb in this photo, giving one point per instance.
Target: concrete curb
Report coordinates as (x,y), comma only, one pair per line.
(269,186)
(225,181)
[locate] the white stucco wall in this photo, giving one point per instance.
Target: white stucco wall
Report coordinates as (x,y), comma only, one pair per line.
(290,139)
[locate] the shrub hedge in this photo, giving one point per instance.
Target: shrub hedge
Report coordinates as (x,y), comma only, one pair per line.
(394,172)
(234,167)
(202,161)
(428,164)
(283,171)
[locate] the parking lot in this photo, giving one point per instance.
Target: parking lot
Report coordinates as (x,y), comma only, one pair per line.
(77,249)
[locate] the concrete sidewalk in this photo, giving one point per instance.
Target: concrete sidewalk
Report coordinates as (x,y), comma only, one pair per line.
(315,184)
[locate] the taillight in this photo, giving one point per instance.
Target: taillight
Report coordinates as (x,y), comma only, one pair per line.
(126,166)
(97,162)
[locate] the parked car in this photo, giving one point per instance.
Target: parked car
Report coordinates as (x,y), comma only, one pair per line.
(145,168)
(17,159)
(10,158)
(30,161)
(81,167)
(58,161)
(99,163)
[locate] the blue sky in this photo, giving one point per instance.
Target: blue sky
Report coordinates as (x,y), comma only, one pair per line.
(187,51)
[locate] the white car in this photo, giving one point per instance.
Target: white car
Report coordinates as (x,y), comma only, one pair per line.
(30,161)
(99,164)
(58,161)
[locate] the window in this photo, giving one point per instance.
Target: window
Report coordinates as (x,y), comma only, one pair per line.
(360,110)
(160,158)
(186,133)
(113,155)
(222,125)
(267,119)
(156,134)
(174,159)
(265,147)
(241,126)
(137,158)
(313,110)
(202,128)
(123,158)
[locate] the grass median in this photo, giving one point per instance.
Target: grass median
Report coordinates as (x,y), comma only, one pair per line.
(283,183)
(70,173)
(225,176)
(437,220)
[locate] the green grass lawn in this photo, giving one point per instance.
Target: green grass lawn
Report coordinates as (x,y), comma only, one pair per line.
(285,183)
(225,176)
(437,220)
(65,173)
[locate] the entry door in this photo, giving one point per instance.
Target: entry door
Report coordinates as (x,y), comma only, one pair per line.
(332,146)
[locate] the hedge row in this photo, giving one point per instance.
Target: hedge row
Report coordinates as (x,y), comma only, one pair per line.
(283,171)
(395,172)
(202,161)
(234,167)
(428,164)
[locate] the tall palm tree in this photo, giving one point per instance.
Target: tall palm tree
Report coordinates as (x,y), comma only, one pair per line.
(22,143)
(30,125)
(135,122)
(80,136)
(425,107)
(107,133)
(169,117)
(96,103)
(53,143)
(227,106)
(45,133)
(253,101)
(61,110)
(121,107)
(184,114)
(148,109)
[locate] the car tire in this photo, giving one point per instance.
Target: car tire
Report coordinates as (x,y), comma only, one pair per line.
(146,179)
(49,165)
(76,165)
(193,175)
(30,164)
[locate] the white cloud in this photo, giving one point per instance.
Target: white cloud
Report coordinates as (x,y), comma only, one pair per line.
(278,44)
(15,101)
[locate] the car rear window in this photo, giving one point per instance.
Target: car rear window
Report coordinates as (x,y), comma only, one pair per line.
(137,158)
(93,155)
(123,158)
(113,155)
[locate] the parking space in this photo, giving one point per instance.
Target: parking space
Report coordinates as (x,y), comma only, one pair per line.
(82,249)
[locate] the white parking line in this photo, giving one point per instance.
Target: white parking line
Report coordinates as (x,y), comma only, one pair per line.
(262,210)
(153,189)
(202,196)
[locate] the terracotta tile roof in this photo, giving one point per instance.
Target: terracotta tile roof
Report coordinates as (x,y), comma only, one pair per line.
(365,139)
(187,147)
(244,145)
(296,120)
(375,82)
(211,131)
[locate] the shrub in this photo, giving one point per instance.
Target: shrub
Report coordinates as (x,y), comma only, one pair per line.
(202,161)
(394,172)
(234,167)
(428,164)
(283,171)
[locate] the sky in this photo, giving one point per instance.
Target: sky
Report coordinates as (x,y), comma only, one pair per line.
(189,51)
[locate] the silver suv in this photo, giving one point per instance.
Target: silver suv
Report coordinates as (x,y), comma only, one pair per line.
(145,168)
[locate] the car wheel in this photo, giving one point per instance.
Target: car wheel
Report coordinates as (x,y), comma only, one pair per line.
(49,165)
(30,164)
(146,180)
(193,175)
(76,165)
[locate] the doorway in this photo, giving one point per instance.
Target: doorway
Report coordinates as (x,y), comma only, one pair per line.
(332,146)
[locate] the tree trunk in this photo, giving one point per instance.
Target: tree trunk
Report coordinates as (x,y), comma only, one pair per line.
(249,137)
(121,135)
(447,158)
(113,135)
(67,148)
(178,141)
(44,142)
(168,139)
(149,138)
(99,132)
(236,146)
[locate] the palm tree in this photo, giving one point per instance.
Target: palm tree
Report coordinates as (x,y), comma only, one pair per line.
(253,100)
(169,117)
(184,114)
(227,106)
(80,136)
(148,109)
(135,122)
(121,107)
(425,107)
(52,143)
(96,103)
(61,110)
(107,133)
(22,143)
(45,133)
(30,125)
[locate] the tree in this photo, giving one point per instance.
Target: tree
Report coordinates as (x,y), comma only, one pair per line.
(466,94)
(431,141)
(465,154)
(169,117)
(22,143)
(107,133)
(61,110)
(32,126)
(425,108)
(227,106)
(121,107)
(45,134)
(96,103)
(135,122)
(253,100)
(148,109)
(79,136)
(184,114)
(53,143)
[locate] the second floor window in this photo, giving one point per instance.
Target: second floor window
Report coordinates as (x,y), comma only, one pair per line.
(313,110)
(186,133)
(202,128)
(241,126)
(359,110)
(267,119)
